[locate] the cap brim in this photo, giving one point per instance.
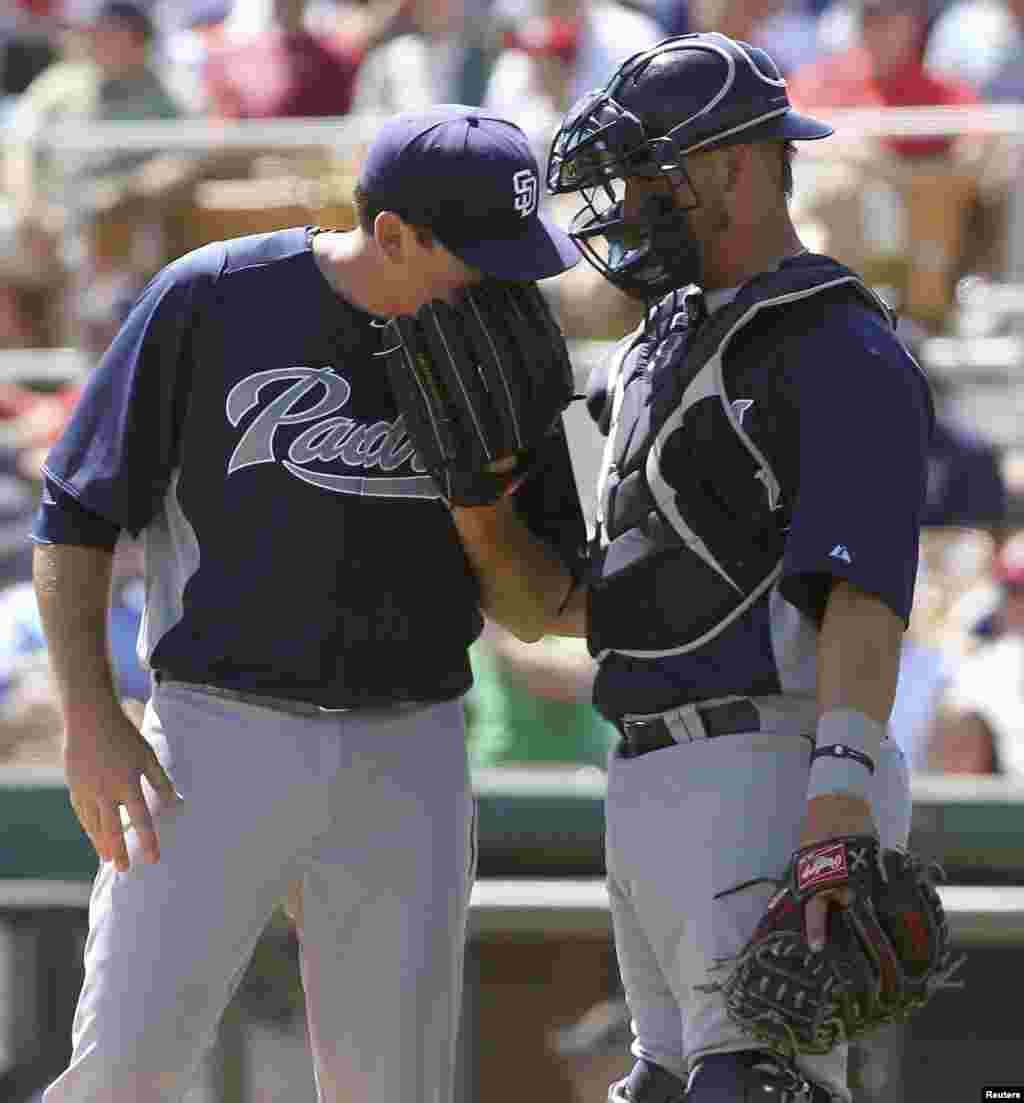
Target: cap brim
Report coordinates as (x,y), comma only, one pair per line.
(791,127)
(804,128)
(542,251)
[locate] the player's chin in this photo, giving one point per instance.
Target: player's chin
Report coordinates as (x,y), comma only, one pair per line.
(452,281)
(455,293)
(432,293)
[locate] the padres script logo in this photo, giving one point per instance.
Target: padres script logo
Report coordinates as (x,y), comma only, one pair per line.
(380,446)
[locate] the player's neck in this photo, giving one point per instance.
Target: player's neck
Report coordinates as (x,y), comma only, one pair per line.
(346,262)
(745,251)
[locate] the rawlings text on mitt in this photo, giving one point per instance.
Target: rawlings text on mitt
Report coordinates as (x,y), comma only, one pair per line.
(481,381)
(885,955)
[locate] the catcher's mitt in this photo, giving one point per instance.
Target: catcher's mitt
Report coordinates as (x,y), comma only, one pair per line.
(482,381)
(886,953)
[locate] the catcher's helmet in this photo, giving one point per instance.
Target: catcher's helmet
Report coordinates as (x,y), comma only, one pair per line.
(687,94)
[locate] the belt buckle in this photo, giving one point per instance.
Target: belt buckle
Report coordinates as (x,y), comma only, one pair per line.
(641,736)
(637,727)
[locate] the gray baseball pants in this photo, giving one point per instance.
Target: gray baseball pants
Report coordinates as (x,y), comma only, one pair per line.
(685,824)
(373,810)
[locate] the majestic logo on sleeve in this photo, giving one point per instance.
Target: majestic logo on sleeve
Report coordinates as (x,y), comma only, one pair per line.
(525,184)
(316,398)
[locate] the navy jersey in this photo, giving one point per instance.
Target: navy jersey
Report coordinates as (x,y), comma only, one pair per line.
(294,545)
(843,415)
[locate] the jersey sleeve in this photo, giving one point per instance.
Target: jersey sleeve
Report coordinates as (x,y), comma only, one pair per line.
(60,519)
(120,446)
(865,419)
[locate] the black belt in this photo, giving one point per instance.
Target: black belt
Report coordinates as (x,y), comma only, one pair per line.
(653,733)
(282,704)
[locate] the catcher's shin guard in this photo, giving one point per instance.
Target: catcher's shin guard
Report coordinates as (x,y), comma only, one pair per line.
(647,1083)
(750,1076)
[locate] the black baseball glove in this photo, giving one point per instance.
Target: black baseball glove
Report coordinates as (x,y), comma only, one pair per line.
(885,954)
(482,381)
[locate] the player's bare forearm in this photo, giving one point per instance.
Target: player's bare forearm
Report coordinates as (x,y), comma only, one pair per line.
(858,664)
(105,756)
(72,586)
(524,585)
(858,653)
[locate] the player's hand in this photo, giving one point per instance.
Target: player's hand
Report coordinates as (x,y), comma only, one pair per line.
(105,760)
(827,817)
(504,465)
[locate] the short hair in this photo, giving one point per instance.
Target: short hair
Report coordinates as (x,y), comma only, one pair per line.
(788,153)
(368,207)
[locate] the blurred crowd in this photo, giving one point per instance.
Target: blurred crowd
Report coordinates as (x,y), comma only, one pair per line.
(84,225)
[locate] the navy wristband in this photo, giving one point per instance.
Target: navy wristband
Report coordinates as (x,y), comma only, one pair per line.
(843,760)
(841,750)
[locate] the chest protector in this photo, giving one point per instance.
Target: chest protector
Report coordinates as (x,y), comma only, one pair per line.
(691,520)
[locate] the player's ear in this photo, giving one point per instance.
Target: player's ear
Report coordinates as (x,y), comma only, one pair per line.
(389,233)
(399,239)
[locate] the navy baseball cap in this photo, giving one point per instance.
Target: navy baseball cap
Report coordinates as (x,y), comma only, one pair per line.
(473,179)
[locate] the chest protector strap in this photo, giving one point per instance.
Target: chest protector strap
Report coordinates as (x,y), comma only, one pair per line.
(691,517)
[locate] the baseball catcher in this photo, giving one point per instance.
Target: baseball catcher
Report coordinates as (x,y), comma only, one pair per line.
(887,951)
(481,385)
(746,594)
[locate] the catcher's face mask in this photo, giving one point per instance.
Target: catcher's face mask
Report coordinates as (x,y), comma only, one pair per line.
(599,146)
